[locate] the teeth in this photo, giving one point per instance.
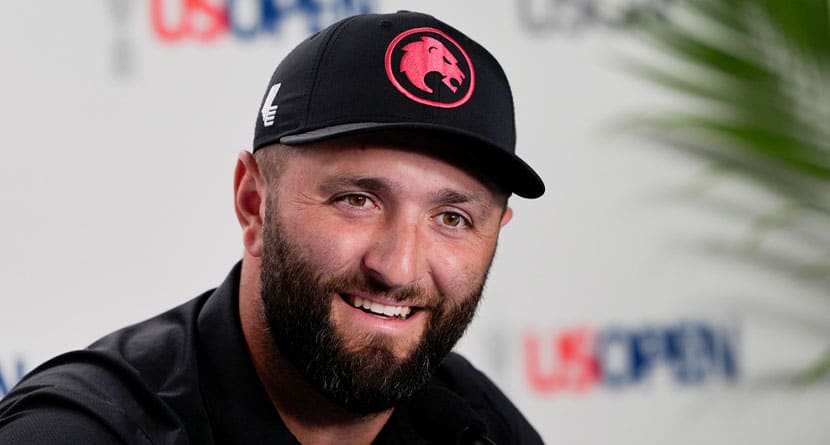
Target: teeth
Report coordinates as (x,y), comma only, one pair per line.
(381,309)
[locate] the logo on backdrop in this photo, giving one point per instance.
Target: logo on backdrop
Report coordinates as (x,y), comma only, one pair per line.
(429,67)
(10,373)
(578,359)
(207,21)
(575,16)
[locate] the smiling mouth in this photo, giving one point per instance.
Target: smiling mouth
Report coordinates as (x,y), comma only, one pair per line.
(381,310)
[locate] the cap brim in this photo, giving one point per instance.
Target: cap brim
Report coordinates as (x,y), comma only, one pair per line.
(513,172)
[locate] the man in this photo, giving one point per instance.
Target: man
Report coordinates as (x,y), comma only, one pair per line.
(370,209)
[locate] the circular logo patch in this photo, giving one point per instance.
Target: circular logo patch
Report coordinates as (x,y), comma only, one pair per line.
(429,67)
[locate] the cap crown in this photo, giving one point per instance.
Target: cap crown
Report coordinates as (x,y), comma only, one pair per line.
(391,71)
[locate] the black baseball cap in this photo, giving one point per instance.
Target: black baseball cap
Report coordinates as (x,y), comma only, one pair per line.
(402,71)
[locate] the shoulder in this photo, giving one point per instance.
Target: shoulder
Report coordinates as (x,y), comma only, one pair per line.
(128,387)
(503,419)
(83,395)
(56,424)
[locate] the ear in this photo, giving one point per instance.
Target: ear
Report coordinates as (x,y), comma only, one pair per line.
(506,216)
(249,192)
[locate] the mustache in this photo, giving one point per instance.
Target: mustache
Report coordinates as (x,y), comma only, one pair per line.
(414,294)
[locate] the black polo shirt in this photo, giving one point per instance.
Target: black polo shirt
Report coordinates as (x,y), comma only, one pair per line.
(185,377)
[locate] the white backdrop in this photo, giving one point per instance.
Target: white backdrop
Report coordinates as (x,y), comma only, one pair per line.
(609,316)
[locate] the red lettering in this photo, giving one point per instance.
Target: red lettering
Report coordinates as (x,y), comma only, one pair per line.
(216,19)
(542,381)
(577,353)
(159,26)
(575,366)
(197,18)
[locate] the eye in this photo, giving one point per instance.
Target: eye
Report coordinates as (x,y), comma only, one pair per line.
(356,200)
(452,219)
(356,203)
(447,61)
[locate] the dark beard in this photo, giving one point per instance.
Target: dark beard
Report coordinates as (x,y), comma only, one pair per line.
(298,304)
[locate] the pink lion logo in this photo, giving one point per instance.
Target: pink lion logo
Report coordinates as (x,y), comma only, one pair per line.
(430,55)
(420,53)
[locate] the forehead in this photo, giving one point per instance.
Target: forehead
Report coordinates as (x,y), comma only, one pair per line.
(423,157)
(402,159)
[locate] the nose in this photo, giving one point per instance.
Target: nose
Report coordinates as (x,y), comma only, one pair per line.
(396,257)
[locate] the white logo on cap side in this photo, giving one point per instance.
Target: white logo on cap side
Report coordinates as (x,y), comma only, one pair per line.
(269,110)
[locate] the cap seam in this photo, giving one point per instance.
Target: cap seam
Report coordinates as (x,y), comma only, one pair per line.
(316,66)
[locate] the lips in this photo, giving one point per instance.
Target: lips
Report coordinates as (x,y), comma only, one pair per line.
(400,312)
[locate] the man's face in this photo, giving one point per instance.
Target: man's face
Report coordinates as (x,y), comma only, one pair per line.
(373,263)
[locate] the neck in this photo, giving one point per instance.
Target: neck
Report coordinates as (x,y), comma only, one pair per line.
(310,417)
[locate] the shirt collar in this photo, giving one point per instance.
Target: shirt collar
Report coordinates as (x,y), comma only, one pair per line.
(237,404)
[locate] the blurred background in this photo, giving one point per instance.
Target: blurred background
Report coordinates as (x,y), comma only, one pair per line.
(672,286)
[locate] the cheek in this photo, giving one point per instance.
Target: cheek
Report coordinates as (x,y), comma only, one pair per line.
(330,246)
(457,272)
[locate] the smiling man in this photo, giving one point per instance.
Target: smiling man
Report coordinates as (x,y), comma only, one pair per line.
(370,207)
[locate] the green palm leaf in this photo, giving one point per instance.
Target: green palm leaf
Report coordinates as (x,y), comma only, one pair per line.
(756,76)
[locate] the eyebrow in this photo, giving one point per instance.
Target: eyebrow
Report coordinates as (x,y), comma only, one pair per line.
(450,196)
(369,183)
(445,196)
